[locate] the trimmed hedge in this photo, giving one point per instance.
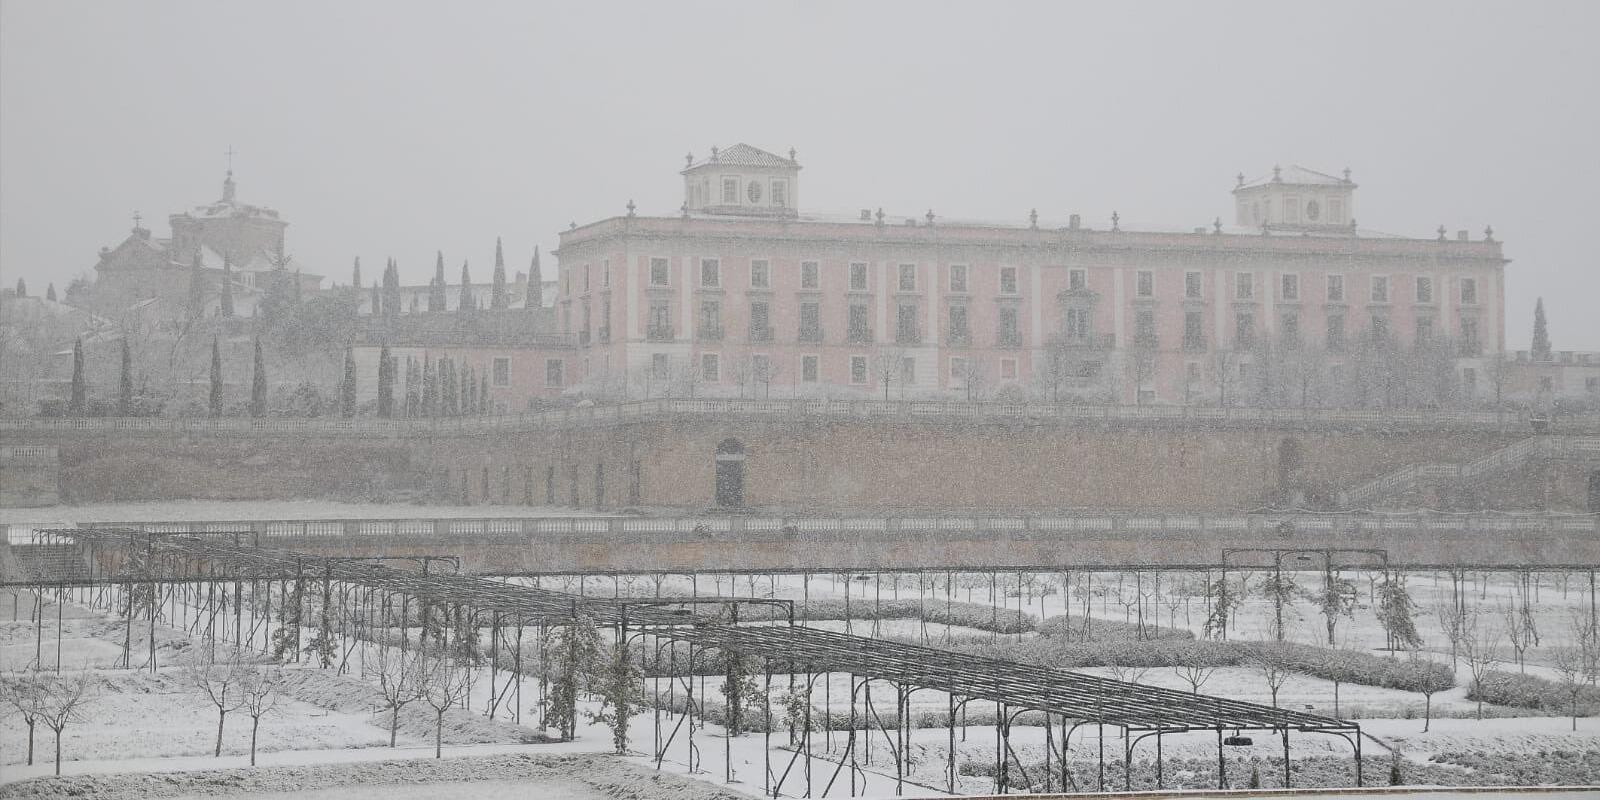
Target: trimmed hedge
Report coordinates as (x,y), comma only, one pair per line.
(1540,694)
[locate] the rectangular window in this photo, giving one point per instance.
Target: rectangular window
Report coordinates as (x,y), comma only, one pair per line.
(1010,335)
(605,319)
(760,274)
(958,278)
(660,269)
(1144,327)
(660,366)
(1424,330)
(1469,291)
(908,371)
(760,323)
(960,332)
(1008,368)
(1291,209)
(1380,325)
(1244,329)
(858,276)
(1078,280)
(710,367)
(780,193)
(1144,283)
(710,273)
(760,368)
(502,372)
(908,277)
(1289,330)
(810,322)
(586,277)
(1336,288)
(710,320)
(860,331)
(958,369)
(553,369)
(1335,342)
(1077,324)
(1008,280)
(730,191)
(1469,337)
(660,328)
(1194,331)
(1244,287)
(605,275)
(1336,211)
(808,275)
(1191,285)
(1379,289)
(1289,284)
(858,369)
(905,329)
(808,369)
(1424,289)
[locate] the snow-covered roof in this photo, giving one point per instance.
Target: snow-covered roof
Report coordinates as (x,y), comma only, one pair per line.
(743,155)
(1294,175)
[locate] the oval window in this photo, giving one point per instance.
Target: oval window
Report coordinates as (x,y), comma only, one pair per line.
(1313,210)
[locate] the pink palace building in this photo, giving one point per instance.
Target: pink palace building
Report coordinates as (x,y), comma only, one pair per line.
(743,293)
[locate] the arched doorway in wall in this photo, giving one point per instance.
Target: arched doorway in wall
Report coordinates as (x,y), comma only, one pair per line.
(730,474)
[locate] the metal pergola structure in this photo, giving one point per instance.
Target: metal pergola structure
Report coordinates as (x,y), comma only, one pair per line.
(202,566)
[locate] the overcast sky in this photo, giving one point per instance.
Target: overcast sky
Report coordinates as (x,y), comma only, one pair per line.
(387,129)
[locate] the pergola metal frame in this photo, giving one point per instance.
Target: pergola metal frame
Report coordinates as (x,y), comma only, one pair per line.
(1072,699)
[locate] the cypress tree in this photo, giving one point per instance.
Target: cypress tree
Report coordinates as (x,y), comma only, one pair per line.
(436,298)
(227,287)
(347,387)
(80,387)
(50,292)
(413,388)
(483,394)
(377,300)
(385,383)
(197,285)
(125,382)
(447,387)
(497,299)
(1541,333)
(22,288)
(430,387)
(469,387)
(355,274)
(391,289)
(258,384)
(216,378)
(294,288)
(535,298)
(465,302)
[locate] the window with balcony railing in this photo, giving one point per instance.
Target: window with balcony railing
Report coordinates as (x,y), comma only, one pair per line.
(905,329)
(604,335)
(860,331)
(659,333)
(810,322)
(1009,334)
(960,332)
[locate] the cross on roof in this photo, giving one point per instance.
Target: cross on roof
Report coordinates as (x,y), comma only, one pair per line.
(136,219)
(229,154)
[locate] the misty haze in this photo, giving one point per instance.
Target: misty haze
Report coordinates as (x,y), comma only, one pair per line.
(725,400)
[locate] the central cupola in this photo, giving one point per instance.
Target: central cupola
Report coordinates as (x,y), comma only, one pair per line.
(742,181)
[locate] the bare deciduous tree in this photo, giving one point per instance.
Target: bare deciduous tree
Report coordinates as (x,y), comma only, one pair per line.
(442,686)
(61,701)
(1273,664)
(1577,663)
(400,683)
(23,692)
(259,693)
(219,681)
(1479,646)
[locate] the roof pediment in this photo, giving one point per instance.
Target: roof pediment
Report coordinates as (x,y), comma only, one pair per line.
(1295,175)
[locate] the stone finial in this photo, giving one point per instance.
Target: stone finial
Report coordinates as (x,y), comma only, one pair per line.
(929,215)
(713,152)
(880,215)
(1216,226)
(1277,174)
(684,209)
(1346,174)
(688,160)
(1240,178)
(1353,228)
(791,154)
(1441,233)
(1488,233)
(1033,219)
(1116,222)
(572,226)
(630,207)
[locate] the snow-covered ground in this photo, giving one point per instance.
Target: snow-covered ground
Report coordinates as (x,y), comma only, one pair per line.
(234,510)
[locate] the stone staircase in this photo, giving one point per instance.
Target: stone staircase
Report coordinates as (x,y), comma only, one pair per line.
(1513,456)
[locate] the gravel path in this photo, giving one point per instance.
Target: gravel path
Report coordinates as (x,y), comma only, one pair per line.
(580,777)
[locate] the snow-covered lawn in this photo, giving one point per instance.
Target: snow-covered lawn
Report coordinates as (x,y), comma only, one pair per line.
(235,510)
